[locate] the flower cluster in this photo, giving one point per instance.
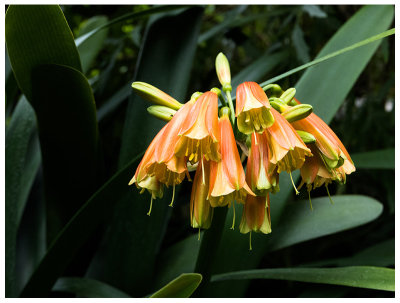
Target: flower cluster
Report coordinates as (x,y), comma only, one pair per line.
(276,134)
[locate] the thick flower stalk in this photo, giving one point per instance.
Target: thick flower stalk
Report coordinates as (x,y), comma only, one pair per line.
(252,108)
(199,135)
(227,178)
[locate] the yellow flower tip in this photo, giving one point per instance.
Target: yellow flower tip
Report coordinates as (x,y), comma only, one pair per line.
(161,112)
(132,181)
(155,95)
(223,71)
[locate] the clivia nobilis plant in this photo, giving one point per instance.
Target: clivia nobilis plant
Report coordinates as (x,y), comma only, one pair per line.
(274,131)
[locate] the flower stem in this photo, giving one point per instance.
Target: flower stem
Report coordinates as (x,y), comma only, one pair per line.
(208,249)
(228,94)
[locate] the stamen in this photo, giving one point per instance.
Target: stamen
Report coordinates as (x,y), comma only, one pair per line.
(191,157)
(151,205)
(309,198)
(142,190)
(202,170)
(250,248)
(294,186)
(327,190)
(234,216)
(173,196)
(198,238)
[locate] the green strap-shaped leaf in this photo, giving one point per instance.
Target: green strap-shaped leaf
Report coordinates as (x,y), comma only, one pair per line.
(379,159)
(89,49)
(38,34)
(181,287)
(22,162)
(380,278)
(88,288)
(301,224)
(133,238)
(75,234)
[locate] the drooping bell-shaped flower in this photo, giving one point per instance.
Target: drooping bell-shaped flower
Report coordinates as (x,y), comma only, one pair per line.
(287,149)
(199,135)
(261,174)
(332,151)
(252,108)
(227,178)
(201,212)
(256,215)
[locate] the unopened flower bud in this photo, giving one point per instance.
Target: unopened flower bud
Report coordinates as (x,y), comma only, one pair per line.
(278,104)
(216,90)
(153,94)
(297,112)
(223,71)
(195,96)
(288,95)
(224,111)
(306,137)
(161,112)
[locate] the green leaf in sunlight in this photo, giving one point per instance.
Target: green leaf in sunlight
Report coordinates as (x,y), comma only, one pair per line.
(23,159)
(38,34)
(181,287)
(88,288)
(89,49)
(376,159)
(380,278)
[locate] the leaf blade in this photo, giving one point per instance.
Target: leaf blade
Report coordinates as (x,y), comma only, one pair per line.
(181,287)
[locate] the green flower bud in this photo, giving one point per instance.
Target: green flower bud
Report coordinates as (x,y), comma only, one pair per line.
(154,95)
(288,95)
(223,70)
(216,90)
(195,96)
(278,104)
(306,137)
(161,112)
(297,112)
(274,90)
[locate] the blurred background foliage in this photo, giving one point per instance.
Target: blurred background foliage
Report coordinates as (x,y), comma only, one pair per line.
(248,35)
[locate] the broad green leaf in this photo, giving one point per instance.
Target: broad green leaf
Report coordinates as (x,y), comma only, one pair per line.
(301,224)
(22,156)
(380,278)
(315,86)
(89,49)
(381,254)
(68,140)
(379,159)
(38,34)
(181,287)
(88,288)
(173,33)
(234,252)
(78,230)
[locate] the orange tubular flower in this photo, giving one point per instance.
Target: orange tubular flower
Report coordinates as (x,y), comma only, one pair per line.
(287,149)
(256,215)
(252,108)
(331,149)
(201,211)
(261,174)
(199,132)
(227,178)
(142,178)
